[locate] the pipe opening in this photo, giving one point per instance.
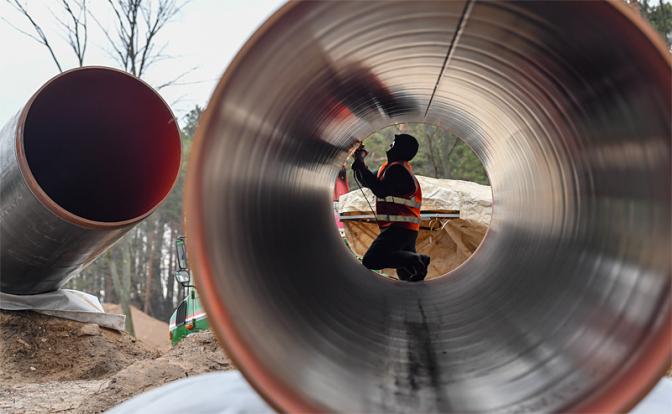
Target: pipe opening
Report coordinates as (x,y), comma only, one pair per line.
(456,204)
(101,144)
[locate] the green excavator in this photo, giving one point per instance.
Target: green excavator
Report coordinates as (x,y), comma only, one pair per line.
(189,316)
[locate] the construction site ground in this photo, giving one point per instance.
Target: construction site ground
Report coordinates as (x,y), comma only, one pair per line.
(150,331)
(53,365)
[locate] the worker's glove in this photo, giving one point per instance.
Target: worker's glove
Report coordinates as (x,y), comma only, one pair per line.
(361,153)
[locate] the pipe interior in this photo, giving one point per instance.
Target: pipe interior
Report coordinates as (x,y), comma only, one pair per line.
(102,145)
(568,106)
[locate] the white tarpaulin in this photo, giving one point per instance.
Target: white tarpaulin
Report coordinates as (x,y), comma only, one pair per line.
(449,242)
(473,201)
(66,304)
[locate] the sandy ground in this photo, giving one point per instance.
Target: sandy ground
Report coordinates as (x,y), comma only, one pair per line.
(48,397)
(52,365)
(152,332)
(36,348)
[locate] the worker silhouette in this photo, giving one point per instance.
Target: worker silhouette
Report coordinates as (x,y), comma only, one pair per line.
(398,201)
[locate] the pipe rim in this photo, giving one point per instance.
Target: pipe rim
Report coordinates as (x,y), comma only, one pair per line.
(37,190)
(621,395)
(280,397)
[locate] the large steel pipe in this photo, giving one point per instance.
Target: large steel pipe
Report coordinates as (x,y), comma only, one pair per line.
(566,305)
(92,153)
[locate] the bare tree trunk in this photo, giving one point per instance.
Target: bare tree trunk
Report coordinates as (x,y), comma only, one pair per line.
(447,158)
(110,296)
(122,284)
(136,244)
(151,242)
(432,154)
(97,283)
(160,308)
(170,294)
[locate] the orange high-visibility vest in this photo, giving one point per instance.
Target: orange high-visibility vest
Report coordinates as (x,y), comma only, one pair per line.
(399,211)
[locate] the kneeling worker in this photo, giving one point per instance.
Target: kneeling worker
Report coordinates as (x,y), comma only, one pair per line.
(398,201)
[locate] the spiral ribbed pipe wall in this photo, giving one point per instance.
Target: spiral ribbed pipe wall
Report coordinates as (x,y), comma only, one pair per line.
(564,307)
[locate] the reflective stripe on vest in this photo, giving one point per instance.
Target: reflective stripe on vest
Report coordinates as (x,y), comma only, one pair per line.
(399,200)
(399,211)
(398,219)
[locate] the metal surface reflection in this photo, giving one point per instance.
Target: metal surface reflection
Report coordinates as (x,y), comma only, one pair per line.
(564,307)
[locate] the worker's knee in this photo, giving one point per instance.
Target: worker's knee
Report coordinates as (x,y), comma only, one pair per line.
(371,262)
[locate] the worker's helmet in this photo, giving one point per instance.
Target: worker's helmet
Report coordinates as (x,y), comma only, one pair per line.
(406,145)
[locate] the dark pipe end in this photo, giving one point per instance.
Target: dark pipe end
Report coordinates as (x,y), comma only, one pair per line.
(99,146)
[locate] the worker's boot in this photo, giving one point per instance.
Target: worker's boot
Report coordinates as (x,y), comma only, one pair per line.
(405,273)
(421,270)
(410,272)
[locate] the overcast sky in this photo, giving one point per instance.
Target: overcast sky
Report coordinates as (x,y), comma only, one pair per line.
(207,34)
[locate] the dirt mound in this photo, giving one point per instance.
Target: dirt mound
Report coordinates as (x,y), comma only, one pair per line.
(199,352)
(50,364)
(36,348)
(149,330)
(196,354)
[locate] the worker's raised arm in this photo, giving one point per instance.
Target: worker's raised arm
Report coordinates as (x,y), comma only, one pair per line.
(366,178)
(395,182)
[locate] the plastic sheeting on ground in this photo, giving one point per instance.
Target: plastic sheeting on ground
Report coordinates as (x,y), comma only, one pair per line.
(228,392)
(66,304)
(217,392)
(658,401)
(449,242)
